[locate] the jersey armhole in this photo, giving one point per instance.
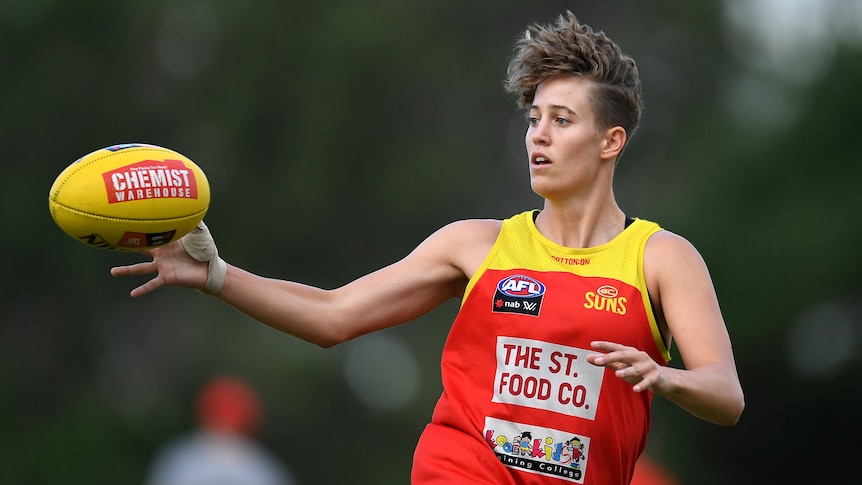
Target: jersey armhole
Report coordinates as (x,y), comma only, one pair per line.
(663,347)
(486,262)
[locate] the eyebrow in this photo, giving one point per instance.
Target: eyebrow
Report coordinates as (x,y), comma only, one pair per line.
(555,107)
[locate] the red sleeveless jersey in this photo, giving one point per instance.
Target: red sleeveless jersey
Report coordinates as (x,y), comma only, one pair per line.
(520,403)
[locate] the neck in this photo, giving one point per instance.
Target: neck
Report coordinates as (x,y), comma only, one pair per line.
(577,226)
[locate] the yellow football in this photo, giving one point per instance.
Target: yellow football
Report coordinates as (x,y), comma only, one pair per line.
(129,197)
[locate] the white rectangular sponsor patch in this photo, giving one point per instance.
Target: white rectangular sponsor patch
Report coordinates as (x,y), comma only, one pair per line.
(543,451)
(547,376)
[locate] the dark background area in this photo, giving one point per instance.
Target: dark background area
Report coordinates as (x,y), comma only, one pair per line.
(338,135)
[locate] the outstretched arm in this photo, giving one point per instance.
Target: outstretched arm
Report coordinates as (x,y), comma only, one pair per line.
(438,269)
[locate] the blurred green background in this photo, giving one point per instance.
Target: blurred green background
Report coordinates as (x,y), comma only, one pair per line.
(336,136)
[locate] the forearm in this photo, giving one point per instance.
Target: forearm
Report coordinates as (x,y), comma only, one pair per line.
(328,317)
(300,310)
(708,392)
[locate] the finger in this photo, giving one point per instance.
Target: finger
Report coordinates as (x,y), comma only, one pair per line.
(644,384)
(611,361)
(147,287)
(596,359)
(134,269)
(606,346)
(624,370)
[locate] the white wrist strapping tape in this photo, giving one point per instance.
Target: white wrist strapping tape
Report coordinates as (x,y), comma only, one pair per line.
(200,245)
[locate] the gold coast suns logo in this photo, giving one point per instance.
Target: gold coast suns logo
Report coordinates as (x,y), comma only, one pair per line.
(606,298)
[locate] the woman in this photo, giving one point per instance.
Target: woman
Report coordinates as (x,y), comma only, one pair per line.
(567,313)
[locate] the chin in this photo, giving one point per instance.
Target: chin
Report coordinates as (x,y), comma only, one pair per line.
(543,190)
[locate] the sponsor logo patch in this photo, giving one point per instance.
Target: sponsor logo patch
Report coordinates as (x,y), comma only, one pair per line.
(544,375)
(142,240)
(606,298)
(543,451)
(151,179)
(518,294)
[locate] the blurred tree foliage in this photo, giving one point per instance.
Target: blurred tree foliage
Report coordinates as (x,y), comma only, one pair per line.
(336,136)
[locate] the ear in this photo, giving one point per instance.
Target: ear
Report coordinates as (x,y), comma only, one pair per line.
(615,140)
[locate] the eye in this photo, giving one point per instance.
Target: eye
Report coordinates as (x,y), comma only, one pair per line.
(561,121)
(532,120)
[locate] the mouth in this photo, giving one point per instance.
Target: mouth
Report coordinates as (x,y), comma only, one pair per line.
(539,159)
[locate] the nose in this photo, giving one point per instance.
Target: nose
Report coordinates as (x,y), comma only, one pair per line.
(538,133)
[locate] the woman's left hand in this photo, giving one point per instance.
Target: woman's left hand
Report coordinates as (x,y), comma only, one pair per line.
(629,364)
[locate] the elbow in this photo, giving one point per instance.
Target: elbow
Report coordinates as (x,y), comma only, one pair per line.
(733,411)
(722,409)
(327,340)
(331,333)
(740,406)
(321,341)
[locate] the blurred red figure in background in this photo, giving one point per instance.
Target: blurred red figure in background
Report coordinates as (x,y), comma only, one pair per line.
(230,405)
(222,449)
(650,472)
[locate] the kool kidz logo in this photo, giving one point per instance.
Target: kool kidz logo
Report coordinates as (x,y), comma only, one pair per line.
(151,179)
(538,450)
(518,294)
(605,298)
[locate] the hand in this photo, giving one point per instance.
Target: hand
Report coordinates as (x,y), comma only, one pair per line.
(630,364)
(172,265)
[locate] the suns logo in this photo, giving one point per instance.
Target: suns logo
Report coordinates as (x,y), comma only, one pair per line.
(605,298)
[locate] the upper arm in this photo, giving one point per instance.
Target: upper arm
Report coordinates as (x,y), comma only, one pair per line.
(682,290)
(685,300)
(436,270)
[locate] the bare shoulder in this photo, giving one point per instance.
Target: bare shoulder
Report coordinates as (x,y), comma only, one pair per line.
(475,229)
(468,235)
(672,264)
(668,247)
(464,243)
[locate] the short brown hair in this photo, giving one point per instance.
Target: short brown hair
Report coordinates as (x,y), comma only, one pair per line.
(571,48)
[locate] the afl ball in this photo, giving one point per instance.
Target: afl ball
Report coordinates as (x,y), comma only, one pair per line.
(129,197)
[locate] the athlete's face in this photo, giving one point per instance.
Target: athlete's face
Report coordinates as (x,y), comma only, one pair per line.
(565,145)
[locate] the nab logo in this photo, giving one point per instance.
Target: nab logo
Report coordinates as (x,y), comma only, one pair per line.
(518,294)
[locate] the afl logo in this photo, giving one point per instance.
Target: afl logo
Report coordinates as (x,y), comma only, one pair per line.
(607,291)
(520,286)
